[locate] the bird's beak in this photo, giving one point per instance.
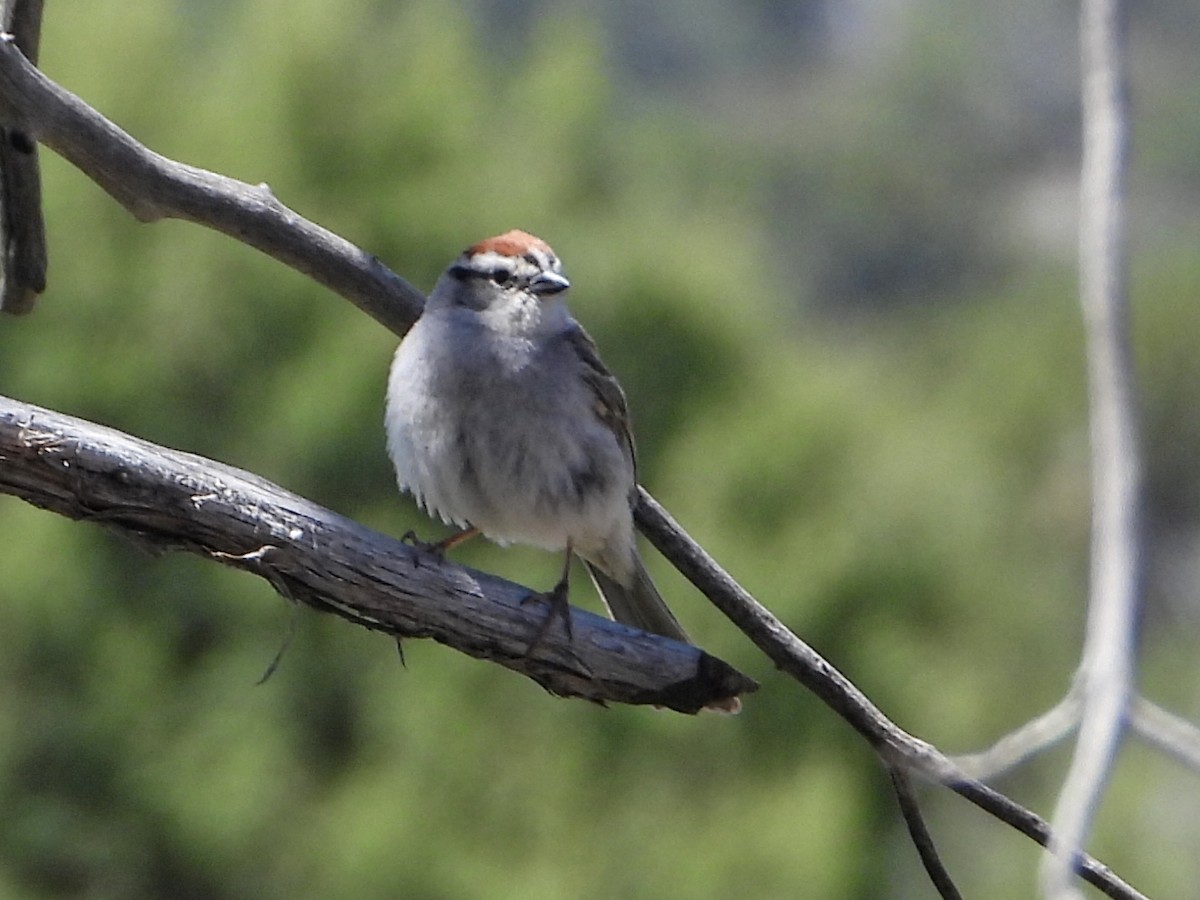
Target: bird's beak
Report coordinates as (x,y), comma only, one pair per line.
(549,283)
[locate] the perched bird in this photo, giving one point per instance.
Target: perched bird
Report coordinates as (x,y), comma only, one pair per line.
(502,420)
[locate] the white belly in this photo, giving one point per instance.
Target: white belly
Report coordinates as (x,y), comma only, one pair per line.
(497,447)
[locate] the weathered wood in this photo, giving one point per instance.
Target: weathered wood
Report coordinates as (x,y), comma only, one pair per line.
(174,500)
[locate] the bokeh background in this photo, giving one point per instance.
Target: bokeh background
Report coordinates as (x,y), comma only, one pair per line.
(829,249)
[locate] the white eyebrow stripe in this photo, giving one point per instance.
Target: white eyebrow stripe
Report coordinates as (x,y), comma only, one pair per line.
(526,266)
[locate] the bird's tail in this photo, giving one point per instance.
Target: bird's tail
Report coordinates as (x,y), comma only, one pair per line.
(642,606)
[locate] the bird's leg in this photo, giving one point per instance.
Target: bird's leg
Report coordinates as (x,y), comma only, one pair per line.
(442,547)
(559,607)
(445,545)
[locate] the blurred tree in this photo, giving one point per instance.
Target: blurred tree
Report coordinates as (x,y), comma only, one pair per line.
(908,490)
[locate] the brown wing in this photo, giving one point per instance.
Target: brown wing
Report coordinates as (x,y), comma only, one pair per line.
(610,406)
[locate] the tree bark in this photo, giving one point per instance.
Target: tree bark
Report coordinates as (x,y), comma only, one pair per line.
(170,500)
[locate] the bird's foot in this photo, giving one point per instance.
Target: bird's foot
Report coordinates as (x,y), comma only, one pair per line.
(556,599)
(435,547)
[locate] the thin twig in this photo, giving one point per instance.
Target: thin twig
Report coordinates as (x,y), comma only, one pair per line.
(1107,666)
(1166,731)
(1163,730)
(785,648)
(921,838)
(153,187)
(895,746)
(22,228)
(1035,827)
(1031,738)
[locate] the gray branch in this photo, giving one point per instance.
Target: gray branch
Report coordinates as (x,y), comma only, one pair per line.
(153,187)
(167,499)
(897,748)
(1163,730)
(918,831)
(1167,732)
(1032,738)
(178,500)
(1106,670)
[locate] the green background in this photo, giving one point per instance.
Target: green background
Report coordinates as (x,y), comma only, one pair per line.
(828,250)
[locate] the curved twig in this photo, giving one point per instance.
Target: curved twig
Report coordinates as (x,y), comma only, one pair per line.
(22,228)
(895,746)
(919,833)
(152,187)
(1167,732)
(1030,739)
(1106,670)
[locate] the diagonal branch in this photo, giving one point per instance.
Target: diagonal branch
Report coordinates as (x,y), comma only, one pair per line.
(1165,731)
(172,500)
(153,187)
(1039,733)
(897,748)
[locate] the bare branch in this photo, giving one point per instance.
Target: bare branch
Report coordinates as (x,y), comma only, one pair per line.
(784,648)
(173,500)
(1169,733)
(1031,738)
(153,187)
(1034,826)
(921,838)
(1105,675)
(898,748)
(22,229)
(1162,730)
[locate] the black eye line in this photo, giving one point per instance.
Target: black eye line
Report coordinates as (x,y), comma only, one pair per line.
(464,272)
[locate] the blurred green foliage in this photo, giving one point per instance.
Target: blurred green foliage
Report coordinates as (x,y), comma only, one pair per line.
(906,483)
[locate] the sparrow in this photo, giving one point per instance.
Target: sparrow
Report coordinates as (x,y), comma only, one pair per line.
(503,421)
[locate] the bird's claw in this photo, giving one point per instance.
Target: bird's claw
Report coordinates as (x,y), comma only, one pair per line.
(435,547)
(556,598)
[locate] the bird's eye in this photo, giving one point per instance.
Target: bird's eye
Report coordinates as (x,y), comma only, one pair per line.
(502,277)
